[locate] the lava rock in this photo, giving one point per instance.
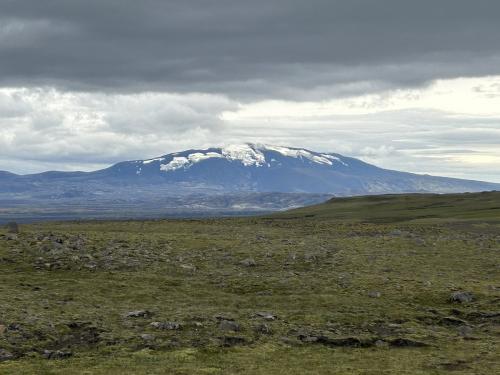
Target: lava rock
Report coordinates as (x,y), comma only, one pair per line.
(310,257)
(420,241)
(229,341)
(461,297)
(11,237)
(452,321)
(263,329)
(352,342)
(220,317)
(465,331)
(250,262)
(56,354)
(5,355)
(265,315)
(407,343)
(229,325)
(167,326)
(381,344)
(138,314)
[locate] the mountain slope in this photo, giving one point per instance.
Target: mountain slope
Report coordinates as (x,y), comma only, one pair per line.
(237,168)
(281,169)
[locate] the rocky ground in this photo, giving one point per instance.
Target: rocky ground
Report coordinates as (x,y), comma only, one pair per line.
(252,295)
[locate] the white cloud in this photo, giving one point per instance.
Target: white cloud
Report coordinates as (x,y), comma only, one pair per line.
(450,127)
(63,129)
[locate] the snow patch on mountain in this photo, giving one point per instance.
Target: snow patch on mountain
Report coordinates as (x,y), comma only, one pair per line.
(152,160)
(247,154)
(179,162)
(298,153)
(198,156)
(176,163)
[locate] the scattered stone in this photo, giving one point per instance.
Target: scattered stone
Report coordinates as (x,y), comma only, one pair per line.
(14,327)
(383,329)
(407,343)
(465,331)
(250,262)
(147,337)
(229,325)
(5,355)
(265,315)
(189,267)
(220,317)
(2,329)
(138,314)
(483,316)
(11,237)
(420,241)
(229,341)
(56,354)
(395,233)
(461,297)
(167,326)
(310,257)
(344,280)
(344,342)
(336,342)
(381,344)
(452,321)
(455,366)
(374,294)
(263,329)
(309,339)
(12,228)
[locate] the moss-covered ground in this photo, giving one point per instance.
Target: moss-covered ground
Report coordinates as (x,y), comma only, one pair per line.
(354,286)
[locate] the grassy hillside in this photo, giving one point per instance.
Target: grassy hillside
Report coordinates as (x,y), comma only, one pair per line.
(354,286)
(405,207)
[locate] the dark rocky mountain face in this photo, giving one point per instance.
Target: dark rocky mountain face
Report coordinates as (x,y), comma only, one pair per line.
(234,170)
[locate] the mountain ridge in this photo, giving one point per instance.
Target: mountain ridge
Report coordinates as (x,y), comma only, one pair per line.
(218,181)
(256,168)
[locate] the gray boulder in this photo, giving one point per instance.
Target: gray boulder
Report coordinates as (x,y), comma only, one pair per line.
(461,297)
(265,315)
(138,314)
(229,325)
(167,326)
(5,355)
(250,262)
(56,354)
(374,294)
(263,329)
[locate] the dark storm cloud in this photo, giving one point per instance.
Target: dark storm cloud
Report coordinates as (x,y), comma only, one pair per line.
(252,48)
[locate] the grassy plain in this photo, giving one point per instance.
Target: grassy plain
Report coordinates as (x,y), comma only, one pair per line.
(353,286)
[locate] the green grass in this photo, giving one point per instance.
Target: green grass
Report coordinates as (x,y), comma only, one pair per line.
(409,207)
(67,286)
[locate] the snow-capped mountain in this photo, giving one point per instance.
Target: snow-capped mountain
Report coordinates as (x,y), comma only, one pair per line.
(265,168)
(228,180)
(242,168)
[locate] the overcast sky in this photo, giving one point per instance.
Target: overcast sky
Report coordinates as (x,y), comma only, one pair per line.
(405,84)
